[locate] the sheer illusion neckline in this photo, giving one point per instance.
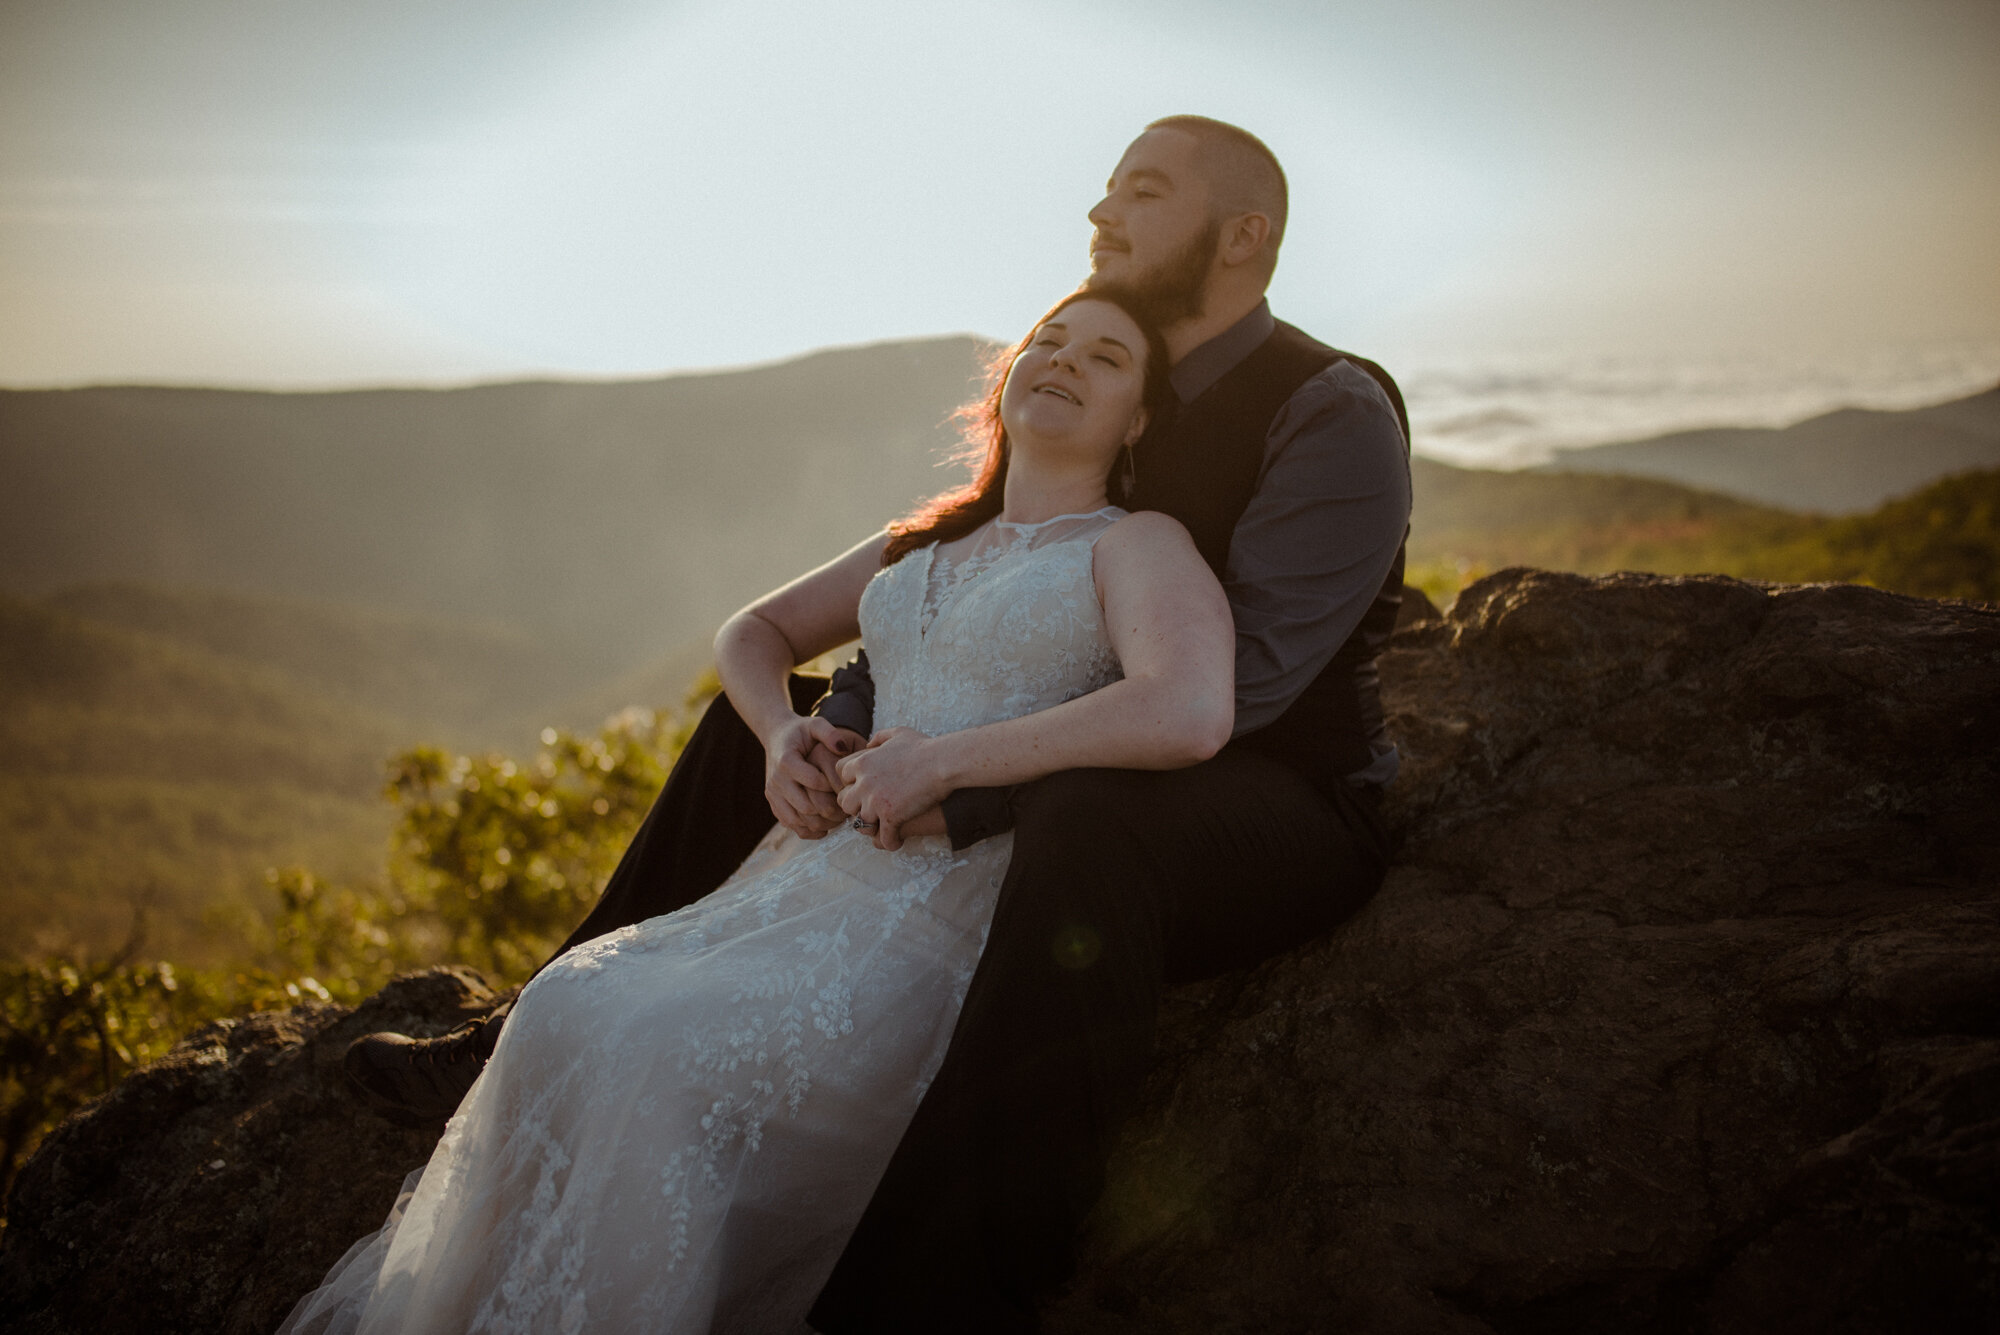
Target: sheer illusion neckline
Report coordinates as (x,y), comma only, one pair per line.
(1100,511)
(951,568)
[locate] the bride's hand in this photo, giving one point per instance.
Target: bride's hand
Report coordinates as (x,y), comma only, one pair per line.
(891,785)
(826,757)
(800,780)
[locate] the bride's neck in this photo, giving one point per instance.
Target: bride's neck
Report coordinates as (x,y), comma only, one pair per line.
(1036,492)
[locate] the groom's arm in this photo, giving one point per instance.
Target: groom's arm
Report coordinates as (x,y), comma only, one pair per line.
(1318,539)
(972,814)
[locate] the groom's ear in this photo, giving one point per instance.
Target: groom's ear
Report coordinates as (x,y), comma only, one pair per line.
(1243,238)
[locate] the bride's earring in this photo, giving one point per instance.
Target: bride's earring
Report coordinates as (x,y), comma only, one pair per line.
(1130,474)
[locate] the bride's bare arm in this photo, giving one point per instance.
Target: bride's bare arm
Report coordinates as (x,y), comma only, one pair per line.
(1175,706)
(755,652)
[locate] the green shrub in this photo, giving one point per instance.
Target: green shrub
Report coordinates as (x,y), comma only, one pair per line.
(506,858)
(72,1030)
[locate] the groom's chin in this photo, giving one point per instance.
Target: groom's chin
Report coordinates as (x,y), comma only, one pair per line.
(1108,268)
(1114,279)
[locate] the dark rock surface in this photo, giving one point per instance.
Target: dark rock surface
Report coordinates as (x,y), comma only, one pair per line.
(1417,606)
(210,1190)
(1679,1012)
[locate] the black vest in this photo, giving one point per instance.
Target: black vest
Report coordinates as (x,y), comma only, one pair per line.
(1202,468)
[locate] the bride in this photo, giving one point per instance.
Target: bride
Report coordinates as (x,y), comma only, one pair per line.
(684,1120)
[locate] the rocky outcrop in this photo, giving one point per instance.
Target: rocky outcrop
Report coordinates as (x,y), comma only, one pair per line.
(210,1190)
(1680,1011)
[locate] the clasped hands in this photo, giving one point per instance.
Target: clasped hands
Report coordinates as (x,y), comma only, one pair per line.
(818,777)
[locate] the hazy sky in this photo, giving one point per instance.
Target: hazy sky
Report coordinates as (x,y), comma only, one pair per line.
(338,191)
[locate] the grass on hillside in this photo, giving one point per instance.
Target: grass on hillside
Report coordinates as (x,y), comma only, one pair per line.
(137,769)
(1942,541)
(79,853)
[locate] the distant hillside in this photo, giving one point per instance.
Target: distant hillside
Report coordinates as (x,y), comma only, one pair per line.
(662,683)
(623,519)
(467,684)
(1839,463)
(132,766)
(1562,521)
(1469,522)
(1941,541)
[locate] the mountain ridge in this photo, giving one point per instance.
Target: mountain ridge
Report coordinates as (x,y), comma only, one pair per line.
(624,518)
(1839,462)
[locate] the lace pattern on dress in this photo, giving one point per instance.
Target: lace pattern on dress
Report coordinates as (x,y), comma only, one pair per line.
(684,1119)
(954,563)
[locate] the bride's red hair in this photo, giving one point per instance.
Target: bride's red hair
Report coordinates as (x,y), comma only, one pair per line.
(955,513)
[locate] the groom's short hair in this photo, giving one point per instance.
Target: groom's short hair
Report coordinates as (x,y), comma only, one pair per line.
(1242,172)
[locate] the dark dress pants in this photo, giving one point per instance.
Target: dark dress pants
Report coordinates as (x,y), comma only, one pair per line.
(1122,883)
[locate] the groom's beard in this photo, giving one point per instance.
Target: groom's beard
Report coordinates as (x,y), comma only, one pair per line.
(1172,291)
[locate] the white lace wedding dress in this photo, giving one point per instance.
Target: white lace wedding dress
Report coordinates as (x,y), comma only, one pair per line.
(685,1119)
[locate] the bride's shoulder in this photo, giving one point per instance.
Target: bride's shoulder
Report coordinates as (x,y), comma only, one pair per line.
(1146,529)
(1144,548)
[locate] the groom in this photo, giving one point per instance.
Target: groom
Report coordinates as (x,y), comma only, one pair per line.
(1288,463)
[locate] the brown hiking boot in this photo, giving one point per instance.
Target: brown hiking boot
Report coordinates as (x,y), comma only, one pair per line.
(419,1082)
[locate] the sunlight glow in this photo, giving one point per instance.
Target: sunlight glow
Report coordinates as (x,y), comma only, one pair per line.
(431,190)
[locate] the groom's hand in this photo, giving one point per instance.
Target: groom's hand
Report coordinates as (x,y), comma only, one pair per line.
(930,822)
(890,786)
(801,778)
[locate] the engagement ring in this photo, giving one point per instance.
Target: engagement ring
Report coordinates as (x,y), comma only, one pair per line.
(862,825)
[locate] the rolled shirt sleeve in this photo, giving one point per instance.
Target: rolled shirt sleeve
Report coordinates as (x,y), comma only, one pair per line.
(850,698)
(1318,539)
